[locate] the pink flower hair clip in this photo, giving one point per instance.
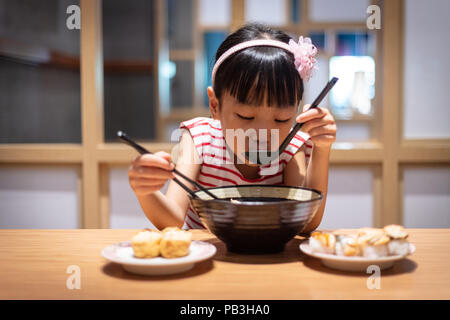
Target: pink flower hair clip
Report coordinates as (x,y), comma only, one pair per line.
(304,52)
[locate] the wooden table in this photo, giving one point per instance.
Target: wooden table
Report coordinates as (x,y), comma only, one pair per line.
(34,264)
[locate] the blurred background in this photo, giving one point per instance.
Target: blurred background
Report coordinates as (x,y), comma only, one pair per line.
(142,66)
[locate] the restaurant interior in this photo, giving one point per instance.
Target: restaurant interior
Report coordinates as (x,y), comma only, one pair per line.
(143,67)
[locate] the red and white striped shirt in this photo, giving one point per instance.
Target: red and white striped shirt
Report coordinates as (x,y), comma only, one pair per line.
(217,169)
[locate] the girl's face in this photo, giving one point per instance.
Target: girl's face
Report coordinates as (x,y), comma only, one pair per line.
(262,127)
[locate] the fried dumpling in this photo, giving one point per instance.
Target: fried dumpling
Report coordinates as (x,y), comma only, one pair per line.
(146,243)
(175,243)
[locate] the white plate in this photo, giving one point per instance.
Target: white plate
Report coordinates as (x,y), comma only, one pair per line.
(122,253)
(353,263)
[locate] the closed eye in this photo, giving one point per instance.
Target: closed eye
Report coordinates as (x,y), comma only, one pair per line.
(282,121)
(245,118)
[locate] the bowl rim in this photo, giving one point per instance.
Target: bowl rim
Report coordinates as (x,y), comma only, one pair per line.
(259,202)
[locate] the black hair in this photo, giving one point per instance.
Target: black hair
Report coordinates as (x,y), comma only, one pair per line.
(258,73)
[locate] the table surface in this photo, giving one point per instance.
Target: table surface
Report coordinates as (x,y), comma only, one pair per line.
(34,265)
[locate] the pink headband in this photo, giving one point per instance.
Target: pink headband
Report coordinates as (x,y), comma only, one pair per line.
(303,51)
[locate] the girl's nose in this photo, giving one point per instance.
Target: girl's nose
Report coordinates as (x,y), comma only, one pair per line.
(262,126)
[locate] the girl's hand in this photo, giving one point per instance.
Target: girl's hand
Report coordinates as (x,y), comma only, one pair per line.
(149,172)
(319,124)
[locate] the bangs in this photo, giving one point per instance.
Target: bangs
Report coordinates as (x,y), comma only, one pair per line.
(261,74)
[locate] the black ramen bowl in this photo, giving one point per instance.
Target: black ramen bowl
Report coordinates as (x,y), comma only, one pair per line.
(264,220)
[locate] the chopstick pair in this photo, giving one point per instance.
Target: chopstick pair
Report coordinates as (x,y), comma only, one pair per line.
(315,104)
(124,137)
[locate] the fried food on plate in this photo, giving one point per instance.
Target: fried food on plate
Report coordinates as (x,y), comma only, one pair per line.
(145,244)
(175,243)
(370,243)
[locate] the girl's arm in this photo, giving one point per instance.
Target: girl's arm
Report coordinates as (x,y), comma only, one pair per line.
(167,210)
(315,177)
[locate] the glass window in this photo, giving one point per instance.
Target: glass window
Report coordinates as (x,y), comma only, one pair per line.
(182,85)
(319,79)
(318,39)
(129,85)
(125,211)
(180,24)
(426,194)
(353,131)
(355,90)
(355,44)
(348,55)
(338,99)
(295,11)
(349,199)
(40,73)
(426,67)
(266,11)
(39,197)
(211,40)
(129,102)
(214,13)
(338,11)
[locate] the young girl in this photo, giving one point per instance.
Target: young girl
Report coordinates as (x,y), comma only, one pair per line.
(257,85)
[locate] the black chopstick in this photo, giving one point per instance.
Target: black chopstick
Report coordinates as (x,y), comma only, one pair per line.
(124,137)
(315,103)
